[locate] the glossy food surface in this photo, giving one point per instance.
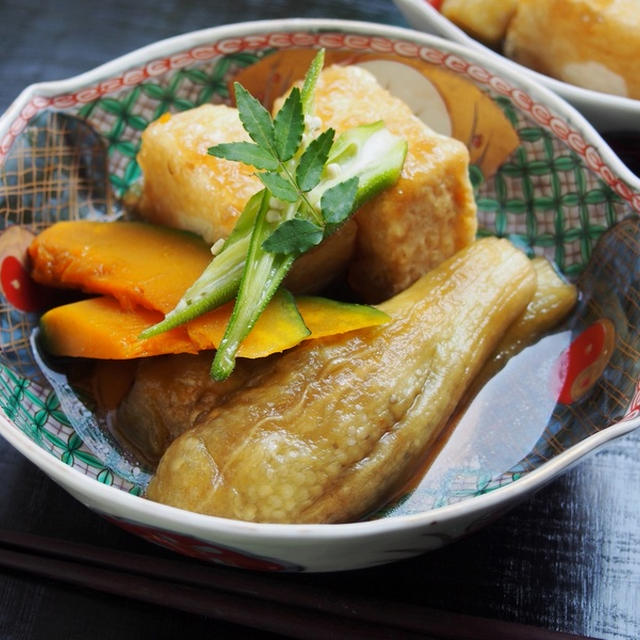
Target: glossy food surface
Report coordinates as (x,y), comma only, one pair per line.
(338,425)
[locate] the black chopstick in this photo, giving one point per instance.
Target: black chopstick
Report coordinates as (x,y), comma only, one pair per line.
(268,616)
(255,600)
(260,614)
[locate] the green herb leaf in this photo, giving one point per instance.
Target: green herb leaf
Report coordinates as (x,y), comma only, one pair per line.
(337,202)
(246,152)
(289,126)
(279,186)
(293,237)
(255,119)
(312,161)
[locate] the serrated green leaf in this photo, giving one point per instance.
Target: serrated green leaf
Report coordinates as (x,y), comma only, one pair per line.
(279,186)
(312,161)
(289,126)
(255,119)
(259,247)
(246,152)
(293,237)
(337,202)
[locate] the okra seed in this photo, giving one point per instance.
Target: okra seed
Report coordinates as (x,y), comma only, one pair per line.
(273,216)
(217,246)
(333,170)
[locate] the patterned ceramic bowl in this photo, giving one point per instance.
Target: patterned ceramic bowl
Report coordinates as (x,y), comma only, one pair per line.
(542,177)
(607,112)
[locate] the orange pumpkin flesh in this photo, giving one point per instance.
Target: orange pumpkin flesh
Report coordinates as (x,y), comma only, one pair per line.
(101,328)
(137,263)
(279,327)
(145,269)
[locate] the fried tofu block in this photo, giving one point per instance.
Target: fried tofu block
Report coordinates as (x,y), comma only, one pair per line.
(590,43)
(402,233)
(428,215)
(185,187)
(485,20)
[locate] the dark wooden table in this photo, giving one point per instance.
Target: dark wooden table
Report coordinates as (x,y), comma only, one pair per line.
(567,559)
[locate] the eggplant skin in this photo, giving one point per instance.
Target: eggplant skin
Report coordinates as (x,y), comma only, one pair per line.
(339,424)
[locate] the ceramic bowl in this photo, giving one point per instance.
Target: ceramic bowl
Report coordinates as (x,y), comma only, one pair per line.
(542,177)
(606,112)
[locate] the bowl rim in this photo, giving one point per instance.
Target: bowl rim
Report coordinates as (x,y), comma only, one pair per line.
(149,513)
(570,91)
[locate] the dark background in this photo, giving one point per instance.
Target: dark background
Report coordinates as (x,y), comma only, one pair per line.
(567,559)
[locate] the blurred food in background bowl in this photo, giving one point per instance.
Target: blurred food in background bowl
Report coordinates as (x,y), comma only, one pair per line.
(587,52)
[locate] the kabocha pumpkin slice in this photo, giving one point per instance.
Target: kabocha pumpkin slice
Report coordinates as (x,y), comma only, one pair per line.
(285,322)
(135,262)
(101,328)
(326,317)
(278,328)
(141,264)
(338,425)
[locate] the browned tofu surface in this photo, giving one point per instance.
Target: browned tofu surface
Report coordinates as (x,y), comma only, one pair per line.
(184,186)
(428,215)
(402,233)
